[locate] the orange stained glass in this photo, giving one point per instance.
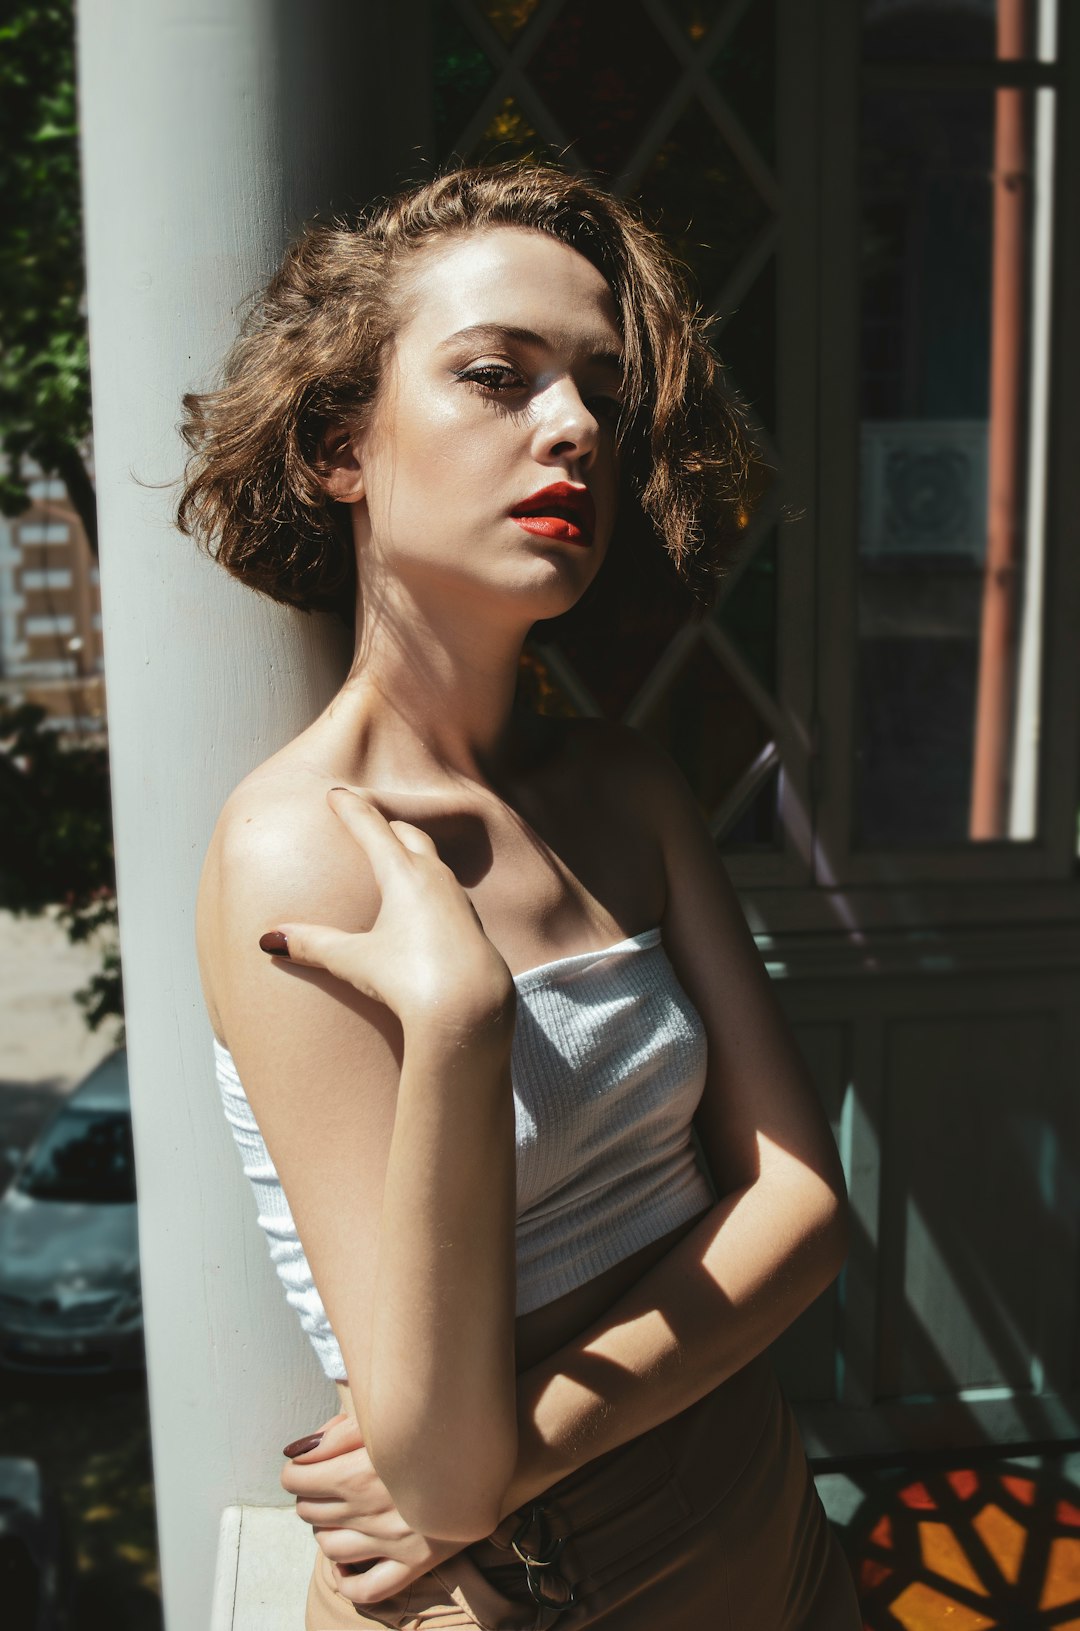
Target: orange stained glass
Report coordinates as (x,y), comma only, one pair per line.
(1062,1582)
(1022,1488)
(964,1481)
(1003,1538)
(921,1608)
(696,16)
(881,1534)
(872,1573)
(943,1554)
(918,1498)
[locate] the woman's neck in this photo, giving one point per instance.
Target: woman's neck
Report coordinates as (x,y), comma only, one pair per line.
(429,701)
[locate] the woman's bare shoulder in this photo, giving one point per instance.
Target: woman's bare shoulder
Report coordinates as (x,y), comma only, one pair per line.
(277,854)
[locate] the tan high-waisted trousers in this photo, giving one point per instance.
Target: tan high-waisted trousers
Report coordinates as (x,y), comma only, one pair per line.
(709,1522)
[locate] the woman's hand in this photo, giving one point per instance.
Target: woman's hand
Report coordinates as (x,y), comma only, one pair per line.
(426,956)
(354,1518)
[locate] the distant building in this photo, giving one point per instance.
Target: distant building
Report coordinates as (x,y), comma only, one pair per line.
(50,612)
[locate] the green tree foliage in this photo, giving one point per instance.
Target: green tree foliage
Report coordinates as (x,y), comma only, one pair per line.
(44,359)
(56,841)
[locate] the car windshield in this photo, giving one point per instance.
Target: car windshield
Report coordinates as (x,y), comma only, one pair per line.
(85,1155)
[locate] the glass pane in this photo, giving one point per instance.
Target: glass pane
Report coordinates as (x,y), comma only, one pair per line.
(695,16)
(603,70)
(611,667)
(747,346)
(709,726)
(954,338)
(748,614)
(509,135)
(958,30)
(461,75)
(744,72)
(508,17)
(702,200)
(758,826)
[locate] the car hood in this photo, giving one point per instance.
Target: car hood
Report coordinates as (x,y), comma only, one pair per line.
(53,1245)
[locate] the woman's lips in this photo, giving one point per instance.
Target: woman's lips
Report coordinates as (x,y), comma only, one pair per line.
(553,526)
(560,511)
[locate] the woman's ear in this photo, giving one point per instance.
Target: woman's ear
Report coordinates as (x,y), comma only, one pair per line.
(340,465)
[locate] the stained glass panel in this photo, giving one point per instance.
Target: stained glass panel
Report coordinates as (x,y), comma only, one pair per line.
(462,75)
(708,725)
(702,200)
(744,72)
(509,135)
(508,17)
(748,614)
(603,69)
(747,345)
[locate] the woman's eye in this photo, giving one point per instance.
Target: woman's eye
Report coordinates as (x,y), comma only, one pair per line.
(492,376)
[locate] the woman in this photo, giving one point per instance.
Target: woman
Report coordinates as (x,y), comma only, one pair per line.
(479,970)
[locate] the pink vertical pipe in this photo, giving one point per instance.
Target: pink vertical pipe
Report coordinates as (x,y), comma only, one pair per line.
(1001,582)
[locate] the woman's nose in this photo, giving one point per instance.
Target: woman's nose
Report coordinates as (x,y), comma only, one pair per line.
(566,428)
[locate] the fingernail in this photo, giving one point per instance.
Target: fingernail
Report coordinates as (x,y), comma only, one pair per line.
(275,943)
(302,1445)
(340,789)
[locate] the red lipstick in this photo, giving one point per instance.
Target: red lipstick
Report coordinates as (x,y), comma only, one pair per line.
(558,511)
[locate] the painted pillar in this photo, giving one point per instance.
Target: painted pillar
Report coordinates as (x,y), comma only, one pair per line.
(209,132)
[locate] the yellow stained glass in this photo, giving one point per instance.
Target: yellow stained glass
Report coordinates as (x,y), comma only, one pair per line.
(1062,1583)
(1003,1538)
(508,17)
(943,1554)
(509,124)
(921,1608)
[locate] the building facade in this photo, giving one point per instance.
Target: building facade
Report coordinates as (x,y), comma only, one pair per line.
(51,649)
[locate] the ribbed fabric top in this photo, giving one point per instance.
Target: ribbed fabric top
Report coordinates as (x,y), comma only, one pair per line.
(608,1066)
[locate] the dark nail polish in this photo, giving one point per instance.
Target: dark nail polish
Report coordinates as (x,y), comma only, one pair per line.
(301,1446)
(275,943)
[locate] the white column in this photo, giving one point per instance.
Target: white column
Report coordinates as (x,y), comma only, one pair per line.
(209,131)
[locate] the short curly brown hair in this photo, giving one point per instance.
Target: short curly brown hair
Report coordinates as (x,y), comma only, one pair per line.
(310,355)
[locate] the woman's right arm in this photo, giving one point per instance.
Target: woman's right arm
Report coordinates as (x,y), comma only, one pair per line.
(377,1063)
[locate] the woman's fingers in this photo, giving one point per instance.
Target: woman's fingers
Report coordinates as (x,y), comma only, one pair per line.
(315,945)
(383,1579)
(381,839)
(346,1545)
(413,838)
(331,1438)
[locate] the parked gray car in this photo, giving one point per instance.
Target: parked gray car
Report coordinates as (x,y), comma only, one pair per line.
(69,1256)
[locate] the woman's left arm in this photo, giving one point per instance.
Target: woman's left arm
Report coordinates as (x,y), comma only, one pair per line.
(779,1234)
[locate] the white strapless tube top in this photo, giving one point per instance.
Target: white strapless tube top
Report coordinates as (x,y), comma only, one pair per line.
(608,1067)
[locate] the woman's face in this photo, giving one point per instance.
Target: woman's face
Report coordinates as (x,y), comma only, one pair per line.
(488,469)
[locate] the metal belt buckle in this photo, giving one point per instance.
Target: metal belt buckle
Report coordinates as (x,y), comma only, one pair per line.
(543,1555)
